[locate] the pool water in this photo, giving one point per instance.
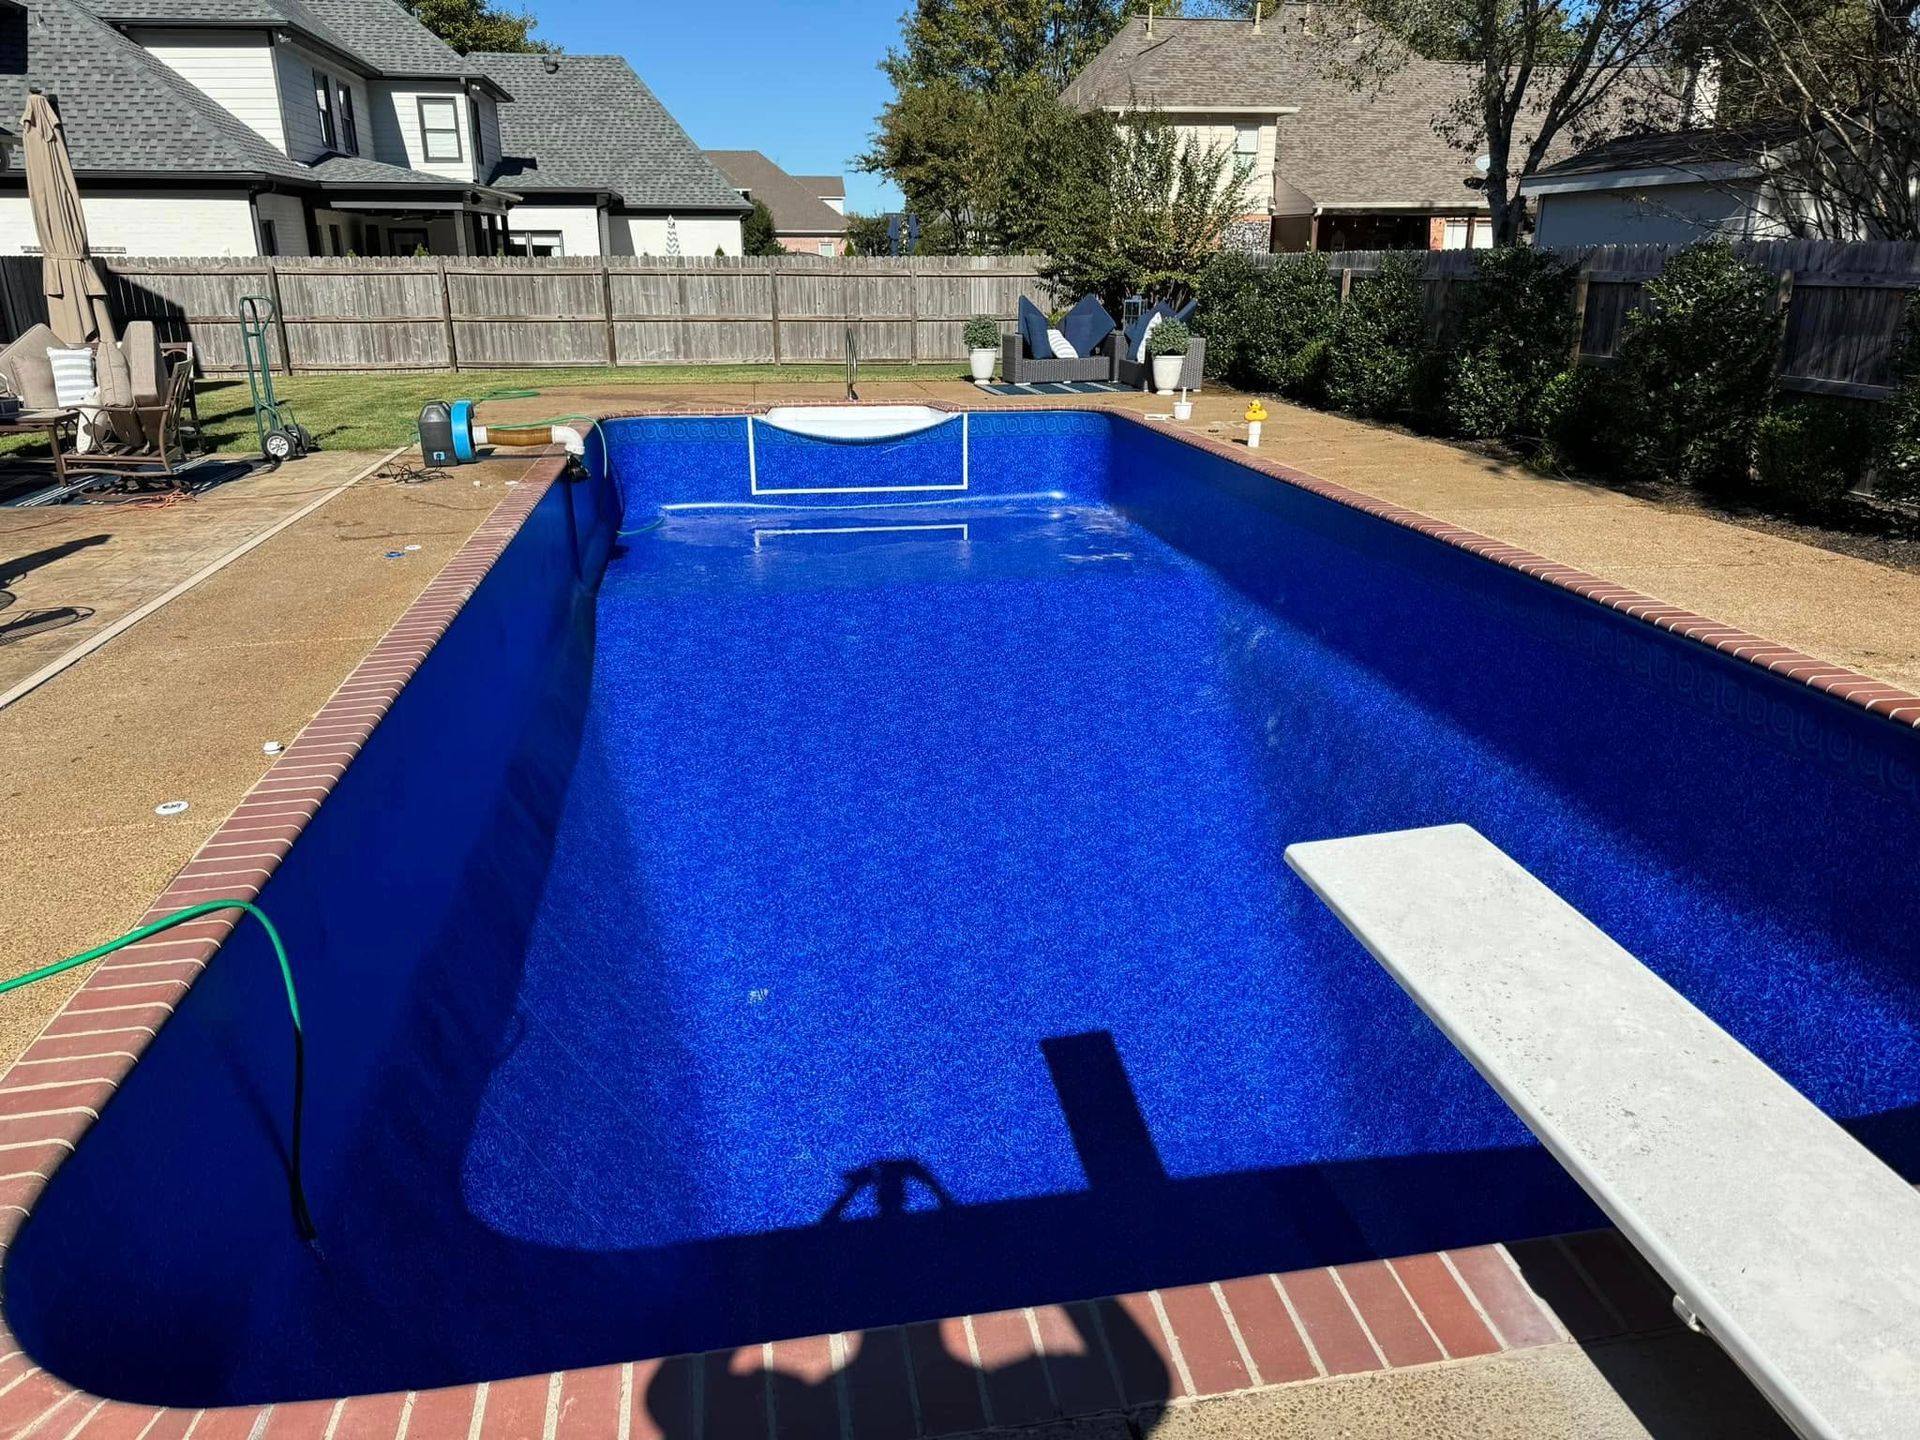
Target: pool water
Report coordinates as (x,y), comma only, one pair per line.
(865,903)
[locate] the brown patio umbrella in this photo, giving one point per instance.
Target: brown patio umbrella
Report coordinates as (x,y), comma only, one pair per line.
(76,293)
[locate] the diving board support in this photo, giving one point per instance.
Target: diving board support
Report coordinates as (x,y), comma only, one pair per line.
(1796,1249)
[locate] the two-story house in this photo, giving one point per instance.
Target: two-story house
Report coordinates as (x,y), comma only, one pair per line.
(305,127)
(1330,166)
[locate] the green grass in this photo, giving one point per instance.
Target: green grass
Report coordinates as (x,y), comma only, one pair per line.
(378,412)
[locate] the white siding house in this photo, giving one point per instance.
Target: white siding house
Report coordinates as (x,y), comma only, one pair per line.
(293,127)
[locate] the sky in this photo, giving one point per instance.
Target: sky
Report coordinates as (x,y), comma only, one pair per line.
(796,82)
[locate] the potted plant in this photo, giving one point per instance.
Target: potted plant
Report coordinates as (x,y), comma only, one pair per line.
(1167,346)
(983,345)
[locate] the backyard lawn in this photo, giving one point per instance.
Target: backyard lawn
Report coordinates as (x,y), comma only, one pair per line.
(378,412)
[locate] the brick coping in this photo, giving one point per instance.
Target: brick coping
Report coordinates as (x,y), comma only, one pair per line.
(929,1378)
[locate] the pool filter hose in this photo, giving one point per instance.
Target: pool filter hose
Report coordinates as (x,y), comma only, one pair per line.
(302,1217)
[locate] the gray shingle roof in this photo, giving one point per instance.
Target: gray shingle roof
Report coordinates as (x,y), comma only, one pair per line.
(123,110)
(589,123)
(378,33)
(348,171)
(1343,148)
(796,207)
(1676,149)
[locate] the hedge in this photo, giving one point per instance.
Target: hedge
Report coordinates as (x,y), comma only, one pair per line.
(1688,395)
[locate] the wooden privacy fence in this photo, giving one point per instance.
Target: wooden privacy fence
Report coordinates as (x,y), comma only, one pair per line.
(1844,302)
(474,313)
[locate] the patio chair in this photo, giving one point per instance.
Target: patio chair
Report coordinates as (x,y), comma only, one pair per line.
(1027,359)
(163,396)
(1132,370)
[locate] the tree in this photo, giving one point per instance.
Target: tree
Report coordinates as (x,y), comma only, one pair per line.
(984,168)
(757,235)
(975,135)
(1826,93)
(984,44)
(1535,73)
(1149,216)
(469,25)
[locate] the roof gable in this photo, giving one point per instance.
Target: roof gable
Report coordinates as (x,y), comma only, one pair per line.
(383,37)
(796,206)
(587,122)
(124,111)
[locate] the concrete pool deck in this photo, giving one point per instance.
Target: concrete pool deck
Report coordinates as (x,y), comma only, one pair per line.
(179,706)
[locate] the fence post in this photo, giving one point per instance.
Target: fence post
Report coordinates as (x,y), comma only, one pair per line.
(1783,302)
(606,299)
(913,312)
(446,315)
(279,315)
(773,303)
(1579,319)
(1346,285)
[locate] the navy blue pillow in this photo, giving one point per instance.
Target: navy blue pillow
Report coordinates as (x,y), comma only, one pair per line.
(1137,331)
(1185,312)
(1087,326)
(1033,329)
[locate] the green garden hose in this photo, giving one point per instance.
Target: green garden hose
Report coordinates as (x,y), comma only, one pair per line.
(302,1219)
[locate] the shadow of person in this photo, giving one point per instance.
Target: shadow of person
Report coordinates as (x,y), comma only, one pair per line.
(888,1179)
(1008,1368)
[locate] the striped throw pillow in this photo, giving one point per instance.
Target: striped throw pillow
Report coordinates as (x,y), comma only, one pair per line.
(72,375)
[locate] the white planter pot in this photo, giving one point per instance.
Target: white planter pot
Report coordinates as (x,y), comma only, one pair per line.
(1166,373)
(982,362)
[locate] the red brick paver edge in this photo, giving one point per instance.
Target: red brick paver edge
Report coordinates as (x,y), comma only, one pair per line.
(1129,1352)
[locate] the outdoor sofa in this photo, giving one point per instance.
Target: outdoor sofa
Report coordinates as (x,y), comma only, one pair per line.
(1027,358)
(1133,369)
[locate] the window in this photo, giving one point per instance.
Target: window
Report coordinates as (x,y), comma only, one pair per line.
(1246,143)
(1454,236)
(349,129)
(406,242)
(535,243)
(269,241)
(323,97)
(440,128)
(333,233)
(826,249)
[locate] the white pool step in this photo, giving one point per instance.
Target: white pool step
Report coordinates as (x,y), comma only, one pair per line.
(1798,1251)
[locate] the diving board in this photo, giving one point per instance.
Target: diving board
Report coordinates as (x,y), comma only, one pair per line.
(1795,1248)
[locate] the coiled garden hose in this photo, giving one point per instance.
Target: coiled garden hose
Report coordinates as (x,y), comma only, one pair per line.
(302,1218)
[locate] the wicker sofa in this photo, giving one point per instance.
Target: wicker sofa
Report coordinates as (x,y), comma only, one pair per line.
(1019,368)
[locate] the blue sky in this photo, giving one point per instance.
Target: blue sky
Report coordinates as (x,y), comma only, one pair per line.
(794,81)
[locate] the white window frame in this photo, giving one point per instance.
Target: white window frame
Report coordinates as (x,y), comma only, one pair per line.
(323,102)
(521,242)
(346,121)
(1246,143)
(451,129)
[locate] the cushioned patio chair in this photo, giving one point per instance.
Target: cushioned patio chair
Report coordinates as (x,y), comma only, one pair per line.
(1026,357)
(1131,368)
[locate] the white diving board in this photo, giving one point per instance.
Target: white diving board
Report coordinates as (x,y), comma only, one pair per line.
(1795,1248)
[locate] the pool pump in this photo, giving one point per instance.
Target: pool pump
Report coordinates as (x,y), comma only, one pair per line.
(449,436)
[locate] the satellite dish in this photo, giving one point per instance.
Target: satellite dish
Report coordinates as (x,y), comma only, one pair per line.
(1483,163)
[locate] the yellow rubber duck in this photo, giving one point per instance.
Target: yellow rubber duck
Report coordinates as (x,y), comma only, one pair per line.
(1255,412)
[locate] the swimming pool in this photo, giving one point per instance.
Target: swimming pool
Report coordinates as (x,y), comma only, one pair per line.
(814,886)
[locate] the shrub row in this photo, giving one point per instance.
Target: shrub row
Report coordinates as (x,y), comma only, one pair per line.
(1689,395)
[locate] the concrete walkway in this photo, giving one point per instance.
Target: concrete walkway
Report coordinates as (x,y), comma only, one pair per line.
(178,707)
